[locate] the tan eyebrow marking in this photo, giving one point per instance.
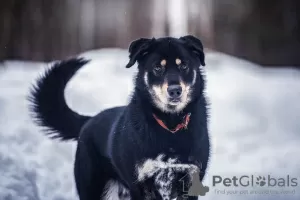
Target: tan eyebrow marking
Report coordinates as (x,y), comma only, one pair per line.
(163,62)
(178,61)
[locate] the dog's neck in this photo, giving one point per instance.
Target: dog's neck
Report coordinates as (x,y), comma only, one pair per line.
(171,120)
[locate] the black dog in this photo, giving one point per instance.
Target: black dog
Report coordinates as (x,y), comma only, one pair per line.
(138,151)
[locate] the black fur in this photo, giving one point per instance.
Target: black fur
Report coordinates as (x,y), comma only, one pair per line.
(51,86)
(112,143)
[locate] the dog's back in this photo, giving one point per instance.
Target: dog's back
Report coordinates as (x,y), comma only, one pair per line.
(100,128)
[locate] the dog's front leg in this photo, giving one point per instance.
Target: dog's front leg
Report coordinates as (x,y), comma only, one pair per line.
(163,171)
(143,191)
(166,178)
(163,183)
(135,194)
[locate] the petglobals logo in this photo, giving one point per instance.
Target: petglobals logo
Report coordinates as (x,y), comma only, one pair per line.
(255,181)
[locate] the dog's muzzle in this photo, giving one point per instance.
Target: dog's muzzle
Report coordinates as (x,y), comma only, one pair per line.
(174,93)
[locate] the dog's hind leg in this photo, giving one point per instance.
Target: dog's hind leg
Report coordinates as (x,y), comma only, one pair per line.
(90,184)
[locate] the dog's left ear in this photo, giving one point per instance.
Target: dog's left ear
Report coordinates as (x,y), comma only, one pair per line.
(196,45)
(138,49)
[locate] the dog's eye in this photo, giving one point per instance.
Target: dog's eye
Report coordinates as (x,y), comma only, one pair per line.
(158,69)
(183,67)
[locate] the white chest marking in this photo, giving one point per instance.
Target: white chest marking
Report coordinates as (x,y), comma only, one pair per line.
(163,173)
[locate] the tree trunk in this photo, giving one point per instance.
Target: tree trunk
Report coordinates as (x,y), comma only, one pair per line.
(49,30)
(266,32)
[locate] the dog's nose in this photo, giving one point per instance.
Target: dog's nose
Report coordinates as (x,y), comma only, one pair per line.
(174,91)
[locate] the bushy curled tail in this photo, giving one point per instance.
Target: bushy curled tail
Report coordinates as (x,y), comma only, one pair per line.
(48,104)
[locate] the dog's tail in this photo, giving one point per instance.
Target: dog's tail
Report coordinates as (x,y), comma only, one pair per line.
(48,104)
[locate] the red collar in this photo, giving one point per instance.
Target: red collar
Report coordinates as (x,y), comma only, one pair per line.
(184,124)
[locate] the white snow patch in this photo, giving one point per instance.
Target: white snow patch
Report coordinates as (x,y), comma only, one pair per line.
(254,124)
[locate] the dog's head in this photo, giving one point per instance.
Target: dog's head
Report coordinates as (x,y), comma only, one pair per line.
(169,70)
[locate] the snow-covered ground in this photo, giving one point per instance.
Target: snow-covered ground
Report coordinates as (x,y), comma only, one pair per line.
(254,125)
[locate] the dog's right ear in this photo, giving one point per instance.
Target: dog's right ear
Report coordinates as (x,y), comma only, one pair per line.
(138,49)
(196,45)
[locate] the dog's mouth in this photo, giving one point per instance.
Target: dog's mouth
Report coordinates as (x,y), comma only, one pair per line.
(166,103)
(174,101)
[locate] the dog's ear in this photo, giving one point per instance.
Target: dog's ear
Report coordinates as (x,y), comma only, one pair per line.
(138,49)
(196,45)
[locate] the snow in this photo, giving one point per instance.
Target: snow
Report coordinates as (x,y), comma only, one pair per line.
(254,124)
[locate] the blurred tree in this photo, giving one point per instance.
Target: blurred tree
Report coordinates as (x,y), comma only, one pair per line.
(6,17)
(200,20)
(46,30)
(266,32)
